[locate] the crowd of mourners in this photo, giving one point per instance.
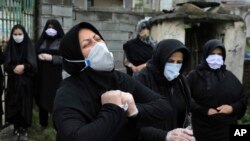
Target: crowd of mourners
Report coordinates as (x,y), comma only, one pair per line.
(159,99)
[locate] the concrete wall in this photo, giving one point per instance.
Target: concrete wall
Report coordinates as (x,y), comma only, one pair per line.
(234,40)
(108,3)
(172,29)
(62,10)
(116,27)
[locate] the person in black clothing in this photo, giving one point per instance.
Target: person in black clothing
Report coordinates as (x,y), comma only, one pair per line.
(1,85)
(49,64)
(139,50)
(20,65)
(163,74)
(219,99)
(96,102)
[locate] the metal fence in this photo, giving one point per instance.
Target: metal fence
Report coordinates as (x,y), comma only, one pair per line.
(14,12)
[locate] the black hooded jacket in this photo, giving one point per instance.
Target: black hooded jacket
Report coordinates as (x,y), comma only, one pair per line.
(78,113)
(211,89)
(46,86)
(19,96)
(177,91)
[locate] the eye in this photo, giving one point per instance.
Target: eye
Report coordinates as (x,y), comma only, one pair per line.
(97,38)
(170,61)
(85,43)
(16,34)
(179,62)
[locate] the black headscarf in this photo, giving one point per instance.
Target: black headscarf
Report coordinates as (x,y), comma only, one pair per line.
(70,48)
(162,52)
(208,47)
(57,26)
(211,76)
(27,50)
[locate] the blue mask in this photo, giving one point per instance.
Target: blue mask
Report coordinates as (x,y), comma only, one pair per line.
(172,70)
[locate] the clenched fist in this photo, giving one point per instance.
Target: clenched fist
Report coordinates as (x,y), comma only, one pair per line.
(128,99)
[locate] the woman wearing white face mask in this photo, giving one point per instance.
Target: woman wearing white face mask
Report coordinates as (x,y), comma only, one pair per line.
(163,74)
(49,68)
(20,65)
(218,95)
(98,103)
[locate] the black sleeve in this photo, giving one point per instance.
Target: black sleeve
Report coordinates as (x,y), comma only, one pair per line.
(240,105)
(126,49)
(57,59)
(9,68)
(152,134)
(72,123)
(152,107)
(195,107)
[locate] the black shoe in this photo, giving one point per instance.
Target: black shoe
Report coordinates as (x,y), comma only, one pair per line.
(15,135)
(23,135)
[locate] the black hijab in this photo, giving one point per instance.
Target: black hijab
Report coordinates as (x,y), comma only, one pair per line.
(57,26)
(70,48)
(211,76)
(17,53)
(208,47)
(162,52)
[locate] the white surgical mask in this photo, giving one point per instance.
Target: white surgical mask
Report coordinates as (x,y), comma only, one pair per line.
(51,32)
(99,58)
(18,38)
(172,71)
(215,61)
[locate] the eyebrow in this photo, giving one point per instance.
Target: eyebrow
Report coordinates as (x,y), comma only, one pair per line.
(87,39)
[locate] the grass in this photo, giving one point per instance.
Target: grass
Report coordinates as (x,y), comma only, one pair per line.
(246,118)
(38,133)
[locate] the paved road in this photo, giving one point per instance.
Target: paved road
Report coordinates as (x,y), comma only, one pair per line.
(6,133)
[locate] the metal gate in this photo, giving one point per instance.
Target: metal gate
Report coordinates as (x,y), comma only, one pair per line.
(14,12)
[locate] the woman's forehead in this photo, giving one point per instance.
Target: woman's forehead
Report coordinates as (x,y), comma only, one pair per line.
(86,33)
(18,30)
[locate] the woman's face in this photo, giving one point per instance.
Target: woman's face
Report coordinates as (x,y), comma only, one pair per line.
(176,57)
(144,33)
(217,51)
(87,40)
(50,26)
(17,32)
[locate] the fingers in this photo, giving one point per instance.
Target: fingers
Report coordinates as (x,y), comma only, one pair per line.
(113,96)
(226,109)
(212,111)
(180,134)
(45,56)
(40,57)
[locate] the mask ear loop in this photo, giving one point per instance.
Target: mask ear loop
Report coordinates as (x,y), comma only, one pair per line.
(86,62)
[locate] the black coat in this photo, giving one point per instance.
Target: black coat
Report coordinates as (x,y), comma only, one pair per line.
(176,91)
(211,89)
(78,114)
(20,88)
(49,75)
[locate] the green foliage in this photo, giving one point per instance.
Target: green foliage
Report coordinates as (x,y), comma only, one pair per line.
(38,133)
(246,118)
